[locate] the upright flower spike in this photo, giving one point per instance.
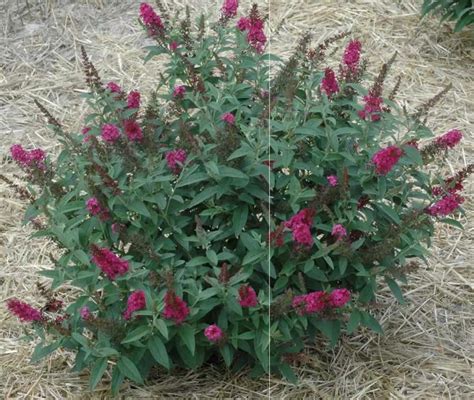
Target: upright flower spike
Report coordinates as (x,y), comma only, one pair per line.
(254,27)
(175,160)
(329,82)
(135,302)
(229,8)
(449,139)
(110,133)
(229,118)
(213,333)
(176,308)
(179,91)
(310,303)
(385,159)
(24,311)
(247,296)
(114,88)
(372,108)
(95,209)
(151,20)
(133,99)
(351,56)
(332,180)
(339,297)
(338,232)
(28,159)
(109,263)
(133,130)
(447,205)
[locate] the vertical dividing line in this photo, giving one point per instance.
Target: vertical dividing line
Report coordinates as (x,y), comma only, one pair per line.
(269,197)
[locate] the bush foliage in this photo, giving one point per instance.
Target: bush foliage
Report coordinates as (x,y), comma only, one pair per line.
(252,203)
(459,11)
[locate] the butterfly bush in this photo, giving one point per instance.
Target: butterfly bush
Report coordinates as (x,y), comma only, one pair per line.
(247,204)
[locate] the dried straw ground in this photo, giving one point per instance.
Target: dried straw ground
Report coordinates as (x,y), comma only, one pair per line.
(427,351)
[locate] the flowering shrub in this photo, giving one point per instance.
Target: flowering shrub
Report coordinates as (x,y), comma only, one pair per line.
(461,11)
(232,214)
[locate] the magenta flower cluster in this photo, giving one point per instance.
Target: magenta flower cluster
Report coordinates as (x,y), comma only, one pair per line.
(213,333)
(372,107)
(151,19)
(247,296)
(110,133)
(446,205)
(316,302)
(24,311)
(176,308)
(179,91)
(95,209)
(300,225)
(175,160)
(229,8)
(133,99)
(28,158)
(385,159)
(449,139)
(332,180)
(351,56)
(109,263)
(228,118)
(255,33)
(339,232)
(329,82)
(133,130)
(136,301)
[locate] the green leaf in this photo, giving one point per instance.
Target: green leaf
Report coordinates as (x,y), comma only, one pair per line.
(97,372)
(212,257)
(331,329)
(397,292)
(158,351)
(203,196)
(288,373)
(371,322)
(117,379)
(128,368)
(239,219)
(227,354)
(193,178)
(162,327)
(354,321)
(413,154)
(390,212)
(186,333)
(136,334)
(80,339)
(41,352)
(451,222)
(139,207)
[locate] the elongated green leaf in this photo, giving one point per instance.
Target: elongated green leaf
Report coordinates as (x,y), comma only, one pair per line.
(186,333)
(97,372)
(136,334)
(128,368)
(397,292)
(158,351)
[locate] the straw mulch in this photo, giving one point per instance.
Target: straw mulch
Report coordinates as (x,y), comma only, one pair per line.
(427,349)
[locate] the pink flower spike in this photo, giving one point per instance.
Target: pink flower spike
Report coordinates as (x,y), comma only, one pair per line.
(133,130)
(352,55)
(339,232)
(19,154)
(372,108)
(329,82)
(24,311)
(175,308)
(110,133)
(173,45)
(332,180)
(213,333)
(315,302)
(228,118)
(179,91)
(243,24)
(114,88)
(135,302)
(385,159)
(175,160)
(447,205)
(247,296)
(133,99)
(339,297)
(229,8)
(93,206)
(449,139)
(85,313)
(151,19)
(109,263)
